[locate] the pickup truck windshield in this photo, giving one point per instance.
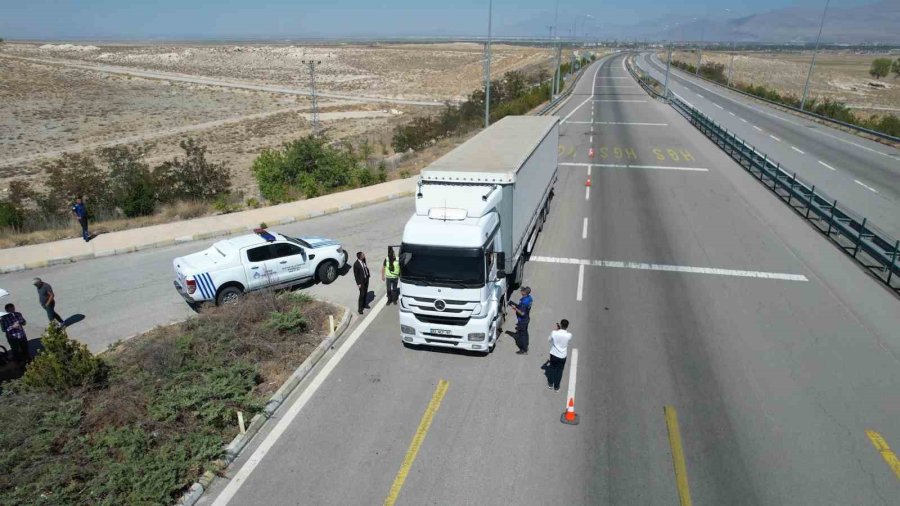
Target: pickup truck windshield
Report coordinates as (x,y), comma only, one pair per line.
(439,266)
(301,242)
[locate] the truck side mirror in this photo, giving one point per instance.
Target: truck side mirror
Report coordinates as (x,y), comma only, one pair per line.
(501,260)
(501,274)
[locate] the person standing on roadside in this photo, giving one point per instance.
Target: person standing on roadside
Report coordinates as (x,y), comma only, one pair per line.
(80,213)
(48,301)
(523,318)
(361,274)
(390,274)
(559,351)
(13,325)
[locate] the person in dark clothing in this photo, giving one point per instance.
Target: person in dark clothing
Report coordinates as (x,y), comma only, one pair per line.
(48,301)
(390,274)
(13,325)
(80,213)
(523,318)
(361,274)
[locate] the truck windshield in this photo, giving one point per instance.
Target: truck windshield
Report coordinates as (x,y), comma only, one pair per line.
(438,266)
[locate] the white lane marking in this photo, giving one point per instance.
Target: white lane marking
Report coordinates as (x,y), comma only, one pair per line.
(615,123)
(776,138)
(613,78)
(288,417)
(573,374)
(576,108)
(580,288)
(587,193)
(826,165)
(584,229)
(699,95)
(616,86)
(589,169)
(628,166)
(719,106)
(731,113)
(864,185)
(795,148)
(742,119)
(592,139)
(614,264)
(757,128)
(626,101)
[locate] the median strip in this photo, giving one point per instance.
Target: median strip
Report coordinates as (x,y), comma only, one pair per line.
(886,453)
(681,478)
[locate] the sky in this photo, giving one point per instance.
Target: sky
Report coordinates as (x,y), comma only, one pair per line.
(297,19)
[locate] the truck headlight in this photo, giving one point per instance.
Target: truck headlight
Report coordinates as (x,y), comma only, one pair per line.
(406,329)
(476,336)
(478,311)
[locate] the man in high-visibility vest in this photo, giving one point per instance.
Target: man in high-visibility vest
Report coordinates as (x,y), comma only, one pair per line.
(390,274)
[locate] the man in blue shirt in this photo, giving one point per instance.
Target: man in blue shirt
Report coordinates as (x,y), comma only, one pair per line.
(81,215)
(523,317)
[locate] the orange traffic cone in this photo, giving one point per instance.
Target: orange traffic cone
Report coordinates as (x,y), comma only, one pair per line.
(591,153)
(588,182)
(569,416)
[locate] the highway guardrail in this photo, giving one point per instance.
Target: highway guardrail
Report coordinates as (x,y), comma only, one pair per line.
(874,133)
(873,248)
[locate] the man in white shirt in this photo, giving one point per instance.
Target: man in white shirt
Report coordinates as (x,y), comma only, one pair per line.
(559,350)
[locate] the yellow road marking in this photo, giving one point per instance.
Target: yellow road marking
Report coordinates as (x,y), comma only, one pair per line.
(681,478)
(416,443)
(886,453)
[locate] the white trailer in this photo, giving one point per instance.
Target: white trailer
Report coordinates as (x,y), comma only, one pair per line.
(479,210)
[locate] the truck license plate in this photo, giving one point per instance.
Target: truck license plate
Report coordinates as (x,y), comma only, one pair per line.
(441,332)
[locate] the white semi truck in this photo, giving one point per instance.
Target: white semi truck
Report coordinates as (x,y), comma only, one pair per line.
(479,210)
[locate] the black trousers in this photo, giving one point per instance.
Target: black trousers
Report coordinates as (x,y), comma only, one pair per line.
(51,312)
(522,334)
(19,350)
(393,292)
(556,371)
(84,228)
(363,295)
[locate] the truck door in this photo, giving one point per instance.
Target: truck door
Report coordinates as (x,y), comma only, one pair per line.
(290,262)
(258,267)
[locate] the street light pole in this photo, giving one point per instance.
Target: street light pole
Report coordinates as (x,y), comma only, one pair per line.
(487,69)
(813,62)
(555,85)
(312,85)
(668,63)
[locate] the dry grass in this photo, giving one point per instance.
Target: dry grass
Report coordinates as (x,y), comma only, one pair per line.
(841,76)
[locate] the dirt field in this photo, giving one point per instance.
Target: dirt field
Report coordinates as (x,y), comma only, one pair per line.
(48,107)
(842,76)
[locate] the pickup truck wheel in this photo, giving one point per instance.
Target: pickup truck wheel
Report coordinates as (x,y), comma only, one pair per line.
(327,272)
(229,295)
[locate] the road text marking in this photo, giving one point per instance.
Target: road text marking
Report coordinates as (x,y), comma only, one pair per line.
(864,185)
(288,416)
(886,453)
(681,478)
(827,166)
(627,166)
(795,148)
(615,264)
(580,288)
(416,443)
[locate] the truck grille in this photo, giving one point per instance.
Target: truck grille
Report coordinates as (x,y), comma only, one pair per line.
(442,320)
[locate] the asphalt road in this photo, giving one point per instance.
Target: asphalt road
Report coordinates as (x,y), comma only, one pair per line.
(701,291)
(861,174)
(123,295)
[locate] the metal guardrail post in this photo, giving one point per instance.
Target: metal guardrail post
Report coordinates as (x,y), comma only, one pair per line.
(893,261)
(831,218)
(862,229)
(812,194)
(791,189)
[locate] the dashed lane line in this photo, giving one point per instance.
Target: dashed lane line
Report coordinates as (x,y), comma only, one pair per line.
(584,228)
(580,289)
(615,264)
(719,106)
(776,138)
(827,166)
(587,193)
(757,128)
(742,119)
(864,185)
(795,148)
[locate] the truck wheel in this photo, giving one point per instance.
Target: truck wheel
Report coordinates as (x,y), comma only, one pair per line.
(229,295)
(327,272)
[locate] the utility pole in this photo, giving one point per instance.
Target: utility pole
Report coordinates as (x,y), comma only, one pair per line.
(813,62)
(549,32)
(668,63)
(487,68)
(312,85)
(554,86)
(731,66)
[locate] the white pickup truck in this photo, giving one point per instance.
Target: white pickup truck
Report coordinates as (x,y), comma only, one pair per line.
(232,267)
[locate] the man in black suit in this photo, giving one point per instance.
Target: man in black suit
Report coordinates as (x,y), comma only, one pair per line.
(361,274)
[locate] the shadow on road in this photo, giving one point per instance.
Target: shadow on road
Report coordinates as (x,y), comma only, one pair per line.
(75,318)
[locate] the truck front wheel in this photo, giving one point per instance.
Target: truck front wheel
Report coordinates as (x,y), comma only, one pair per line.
(327,272)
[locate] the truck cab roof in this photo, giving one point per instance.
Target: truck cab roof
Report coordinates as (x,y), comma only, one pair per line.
(467,233)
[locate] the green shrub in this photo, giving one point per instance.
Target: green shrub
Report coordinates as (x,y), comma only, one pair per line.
(253,203)
(71,176)
(290,321)
(192,178)
(11,216)
(223,204)
(881,67)
(64,364)
(132,183)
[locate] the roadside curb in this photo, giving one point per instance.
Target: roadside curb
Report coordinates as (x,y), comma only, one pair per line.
(7,269)
(234,448)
